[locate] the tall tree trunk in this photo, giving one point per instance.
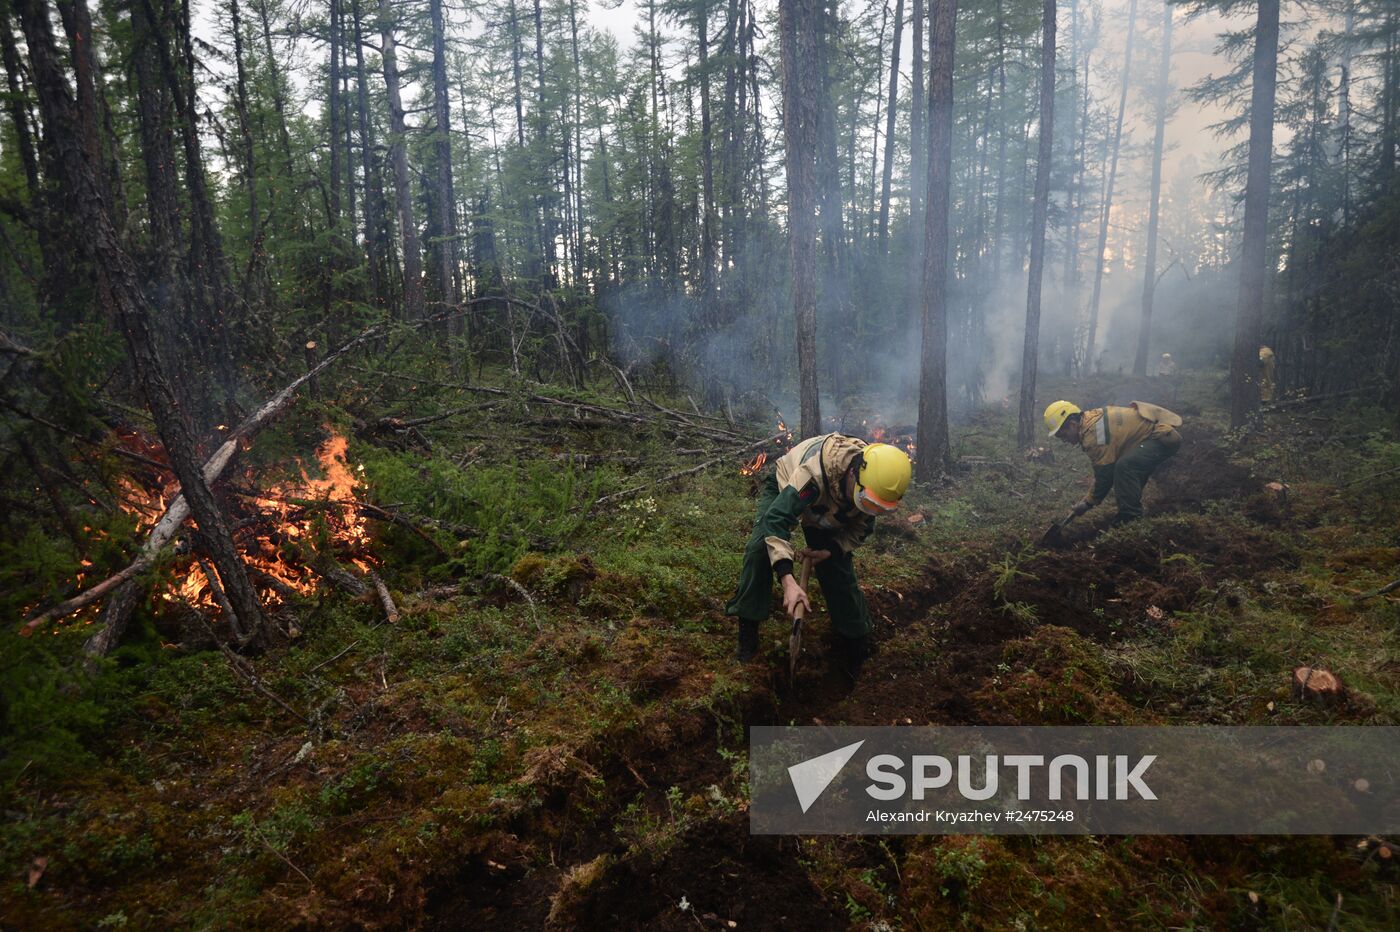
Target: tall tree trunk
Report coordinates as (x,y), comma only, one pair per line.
(933,448)
(104,250)
(578,143)
(252,283)
(799,25)
(731,173)
(77,23)
(1149,275)
(544,221)
(376,231)
(1390,105)
(445,234)
(707,172)
(1344,111)
(1080,166)
(165,265)
(833,290)
(332,262)
(889,128)
(347,132)
(218,306)
(15,103)
(1244,363)
(334,113)
(918,156)
(279,100)
(515,73)
(1027,420)
(1106,208)
(999,217)
(398,155)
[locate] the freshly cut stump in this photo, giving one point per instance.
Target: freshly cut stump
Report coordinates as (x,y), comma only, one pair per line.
(1315,684)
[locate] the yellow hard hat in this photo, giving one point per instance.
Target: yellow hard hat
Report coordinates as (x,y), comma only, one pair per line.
(1057,413)
(883,478)
(1265,353)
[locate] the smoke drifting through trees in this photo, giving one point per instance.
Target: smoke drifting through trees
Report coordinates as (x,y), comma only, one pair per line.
(321,167)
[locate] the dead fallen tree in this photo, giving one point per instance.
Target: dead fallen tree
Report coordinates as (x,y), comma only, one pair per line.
(727,456)
(124,586)
(391,611)
(580,413)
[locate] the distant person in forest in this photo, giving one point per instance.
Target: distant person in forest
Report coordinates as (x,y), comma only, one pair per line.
(1124,444)
(1167,365)
(1268,373)
(835,486)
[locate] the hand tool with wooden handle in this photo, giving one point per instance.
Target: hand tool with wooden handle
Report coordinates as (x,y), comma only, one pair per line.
(795,641)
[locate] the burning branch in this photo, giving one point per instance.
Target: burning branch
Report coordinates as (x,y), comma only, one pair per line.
(119,609)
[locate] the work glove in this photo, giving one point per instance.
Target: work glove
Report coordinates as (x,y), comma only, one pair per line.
(1080,508)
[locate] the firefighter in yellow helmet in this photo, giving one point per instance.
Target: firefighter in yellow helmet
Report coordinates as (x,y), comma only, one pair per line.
(1124,444)
(835,486)
(1268,373)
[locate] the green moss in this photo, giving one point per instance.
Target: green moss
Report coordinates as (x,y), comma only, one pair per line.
(1055,677)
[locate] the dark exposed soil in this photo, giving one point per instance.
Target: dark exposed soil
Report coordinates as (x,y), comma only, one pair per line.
(1199,472)
(723,875)
(940,649)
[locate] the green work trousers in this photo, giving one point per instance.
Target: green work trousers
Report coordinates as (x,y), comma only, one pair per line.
(753,600)
(1130,473)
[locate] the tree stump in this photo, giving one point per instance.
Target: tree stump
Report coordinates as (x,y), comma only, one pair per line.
(1314,684)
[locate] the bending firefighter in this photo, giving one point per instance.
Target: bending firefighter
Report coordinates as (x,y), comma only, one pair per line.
(835,486)
(1125,446)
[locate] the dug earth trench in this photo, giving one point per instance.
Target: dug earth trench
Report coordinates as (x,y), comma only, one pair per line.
(1009,636)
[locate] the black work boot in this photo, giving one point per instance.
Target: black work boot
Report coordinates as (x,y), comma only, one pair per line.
(851,654)
(748,640)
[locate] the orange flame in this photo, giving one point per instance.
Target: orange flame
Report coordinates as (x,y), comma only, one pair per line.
(752,467)
(294,517)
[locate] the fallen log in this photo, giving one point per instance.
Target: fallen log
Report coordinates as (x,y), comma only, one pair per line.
(692,470)
(391,611)
(338,576)
(580,407)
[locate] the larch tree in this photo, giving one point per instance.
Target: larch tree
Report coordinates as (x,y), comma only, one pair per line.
(1154,196)
(892,108)
(1254,251)
(932,433)
(398,156)
(1106,207)
(444,232)
(136,316)
(1027,421)
(799,30)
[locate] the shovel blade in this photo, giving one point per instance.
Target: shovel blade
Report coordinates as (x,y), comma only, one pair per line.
(1054,536)
(794,650)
